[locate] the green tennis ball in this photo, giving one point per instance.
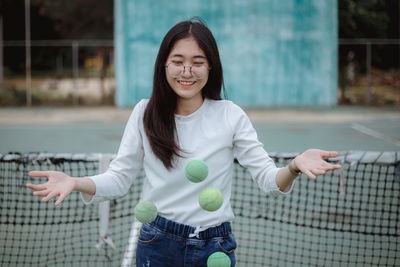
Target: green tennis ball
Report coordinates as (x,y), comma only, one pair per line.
(210,199)
(196,170)
(145,212)
(218,259)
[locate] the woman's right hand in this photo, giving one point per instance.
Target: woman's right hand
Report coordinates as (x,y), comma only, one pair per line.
(58,184)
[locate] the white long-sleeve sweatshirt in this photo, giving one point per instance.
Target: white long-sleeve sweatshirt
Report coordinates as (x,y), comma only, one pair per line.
(216,133)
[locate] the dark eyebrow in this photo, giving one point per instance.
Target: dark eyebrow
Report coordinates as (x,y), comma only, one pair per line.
(197,56)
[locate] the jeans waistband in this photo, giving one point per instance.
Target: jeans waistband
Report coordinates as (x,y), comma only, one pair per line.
(184,230)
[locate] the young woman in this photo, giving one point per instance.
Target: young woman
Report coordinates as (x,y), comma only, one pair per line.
(185,119)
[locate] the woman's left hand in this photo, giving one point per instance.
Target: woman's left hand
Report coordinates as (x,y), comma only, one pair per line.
(312,162)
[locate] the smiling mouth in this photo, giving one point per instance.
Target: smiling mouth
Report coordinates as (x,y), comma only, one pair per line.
(186,83)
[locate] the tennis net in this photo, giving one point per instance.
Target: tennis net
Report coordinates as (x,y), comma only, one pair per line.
(346,217)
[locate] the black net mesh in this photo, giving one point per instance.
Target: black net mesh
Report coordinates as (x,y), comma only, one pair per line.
(33,233)
(348,217)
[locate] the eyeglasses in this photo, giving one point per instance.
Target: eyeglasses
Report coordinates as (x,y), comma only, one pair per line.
(198,70)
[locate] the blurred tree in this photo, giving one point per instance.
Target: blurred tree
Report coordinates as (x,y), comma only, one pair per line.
(76,19)
(53,19)
(89,19)
(13,11)
(93,19)
(366,19)
(369,19)
(42,28)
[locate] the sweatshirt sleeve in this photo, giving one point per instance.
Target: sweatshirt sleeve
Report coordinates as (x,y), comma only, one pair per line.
(250,152)
(116,181)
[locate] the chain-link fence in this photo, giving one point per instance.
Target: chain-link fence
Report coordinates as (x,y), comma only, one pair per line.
(81,72)
(369,71)
(63,72)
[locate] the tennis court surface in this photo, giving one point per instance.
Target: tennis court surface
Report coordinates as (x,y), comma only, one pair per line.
(347,218)
(99,130)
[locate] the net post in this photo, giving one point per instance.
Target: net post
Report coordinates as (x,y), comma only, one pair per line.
(130,251)
(105,210)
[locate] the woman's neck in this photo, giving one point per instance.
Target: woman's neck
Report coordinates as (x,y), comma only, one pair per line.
(186,107)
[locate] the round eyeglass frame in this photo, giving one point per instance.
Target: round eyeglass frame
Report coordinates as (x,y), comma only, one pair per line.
(183,71)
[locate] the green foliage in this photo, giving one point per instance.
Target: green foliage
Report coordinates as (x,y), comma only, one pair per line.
(13,96)
(368,19)
(76,19)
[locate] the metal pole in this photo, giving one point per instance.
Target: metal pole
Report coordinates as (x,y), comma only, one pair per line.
(59,64)
(369,87)
(28,53)
(1,52)
(75,66)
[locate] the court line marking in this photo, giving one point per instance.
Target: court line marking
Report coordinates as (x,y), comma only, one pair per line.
(365,130)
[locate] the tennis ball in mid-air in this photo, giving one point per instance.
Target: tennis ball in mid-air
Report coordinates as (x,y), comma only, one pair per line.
(218,259)
(210,199)
(145,212)
(196,170)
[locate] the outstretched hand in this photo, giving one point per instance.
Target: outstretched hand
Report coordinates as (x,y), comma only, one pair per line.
(58,184)
(312,162)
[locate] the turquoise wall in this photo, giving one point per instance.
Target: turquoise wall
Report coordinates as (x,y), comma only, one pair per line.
(274,53)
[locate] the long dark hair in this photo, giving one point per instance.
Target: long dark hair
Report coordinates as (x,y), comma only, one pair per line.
(159,116)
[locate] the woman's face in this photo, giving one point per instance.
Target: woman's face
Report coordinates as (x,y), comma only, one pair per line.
(187,69)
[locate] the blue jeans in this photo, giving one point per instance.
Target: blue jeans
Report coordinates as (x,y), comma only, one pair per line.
(167,243)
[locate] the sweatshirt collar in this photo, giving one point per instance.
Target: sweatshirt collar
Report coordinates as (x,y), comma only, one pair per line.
(194,115)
